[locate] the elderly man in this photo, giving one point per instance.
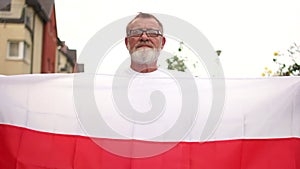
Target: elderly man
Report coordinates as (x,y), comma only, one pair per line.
(144,42)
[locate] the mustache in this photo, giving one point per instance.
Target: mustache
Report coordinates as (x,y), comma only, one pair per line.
(140,44)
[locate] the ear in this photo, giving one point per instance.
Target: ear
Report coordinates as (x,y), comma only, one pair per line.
(163,41)
(126,42)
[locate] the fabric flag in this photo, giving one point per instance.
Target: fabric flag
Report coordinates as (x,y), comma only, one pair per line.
(73,121)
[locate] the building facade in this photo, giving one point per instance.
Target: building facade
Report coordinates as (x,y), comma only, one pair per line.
(66,59)
(28,37)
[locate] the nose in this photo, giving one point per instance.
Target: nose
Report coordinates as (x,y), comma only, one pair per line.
(144,37)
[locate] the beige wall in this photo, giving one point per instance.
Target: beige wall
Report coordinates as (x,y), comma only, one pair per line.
(14,31)
(15,11)
(38,45)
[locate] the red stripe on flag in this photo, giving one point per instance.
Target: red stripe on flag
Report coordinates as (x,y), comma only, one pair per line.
(28,149)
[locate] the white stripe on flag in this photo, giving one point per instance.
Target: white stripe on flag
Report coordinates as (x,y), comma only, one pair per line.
(254,108)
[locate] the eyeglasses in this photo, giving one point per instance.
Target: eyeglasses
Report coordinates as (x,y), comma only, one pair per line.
(139,32)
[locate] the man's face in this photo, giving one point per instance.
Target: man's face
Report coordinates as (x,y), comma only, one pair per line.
(144,45)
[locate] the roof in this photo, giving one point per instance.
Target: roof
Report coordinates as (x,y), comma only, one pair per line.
(42,7)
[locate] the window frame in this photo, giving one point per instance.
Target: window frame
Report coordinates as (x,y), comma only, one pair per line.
(23,50)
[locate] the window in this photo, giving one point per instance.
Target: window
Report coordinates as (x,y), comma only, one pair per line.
(5,5)
(13,49)
(18,50)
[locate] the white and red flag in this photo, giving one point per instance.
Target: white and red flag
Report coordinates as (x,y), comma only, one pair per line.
(70,122)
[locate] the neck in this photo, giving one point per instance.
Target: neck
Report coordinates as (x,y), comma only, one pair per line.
(144,68)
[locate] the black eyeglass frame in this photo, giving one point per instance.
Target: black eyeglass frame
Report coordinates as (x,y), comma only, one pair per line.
(140,32)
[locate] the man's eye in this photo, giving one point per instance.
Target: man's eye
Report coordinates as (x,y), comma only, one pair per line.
(151,32)
(136,32)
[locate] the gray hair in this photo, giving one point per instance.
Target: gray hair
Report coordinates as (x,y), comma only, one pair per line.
(145,15)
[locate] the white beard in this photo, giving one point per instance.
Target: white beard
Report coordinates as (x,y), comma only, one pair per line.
(145,56)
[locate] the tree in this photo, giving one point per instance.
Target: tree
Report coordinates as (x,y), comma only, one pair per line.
(288,62)
(177,62)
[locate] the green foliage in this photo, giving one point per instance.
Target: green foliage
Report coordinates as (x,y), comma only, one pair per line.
(218,52)
(177,62)
(288,62)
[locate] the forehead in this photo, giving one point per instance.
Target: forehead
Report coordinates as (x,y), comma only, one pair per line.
(144,23)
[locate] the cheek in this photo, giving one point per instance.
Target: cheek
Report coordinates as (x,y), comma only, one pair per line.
(158,44)
(130,45)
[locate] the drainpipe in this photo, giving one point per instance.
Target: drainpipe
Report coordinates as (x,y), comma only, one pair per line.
(32,43)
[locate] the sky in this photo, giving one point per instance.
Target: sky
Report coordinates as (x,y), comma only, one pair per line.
(247,32)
